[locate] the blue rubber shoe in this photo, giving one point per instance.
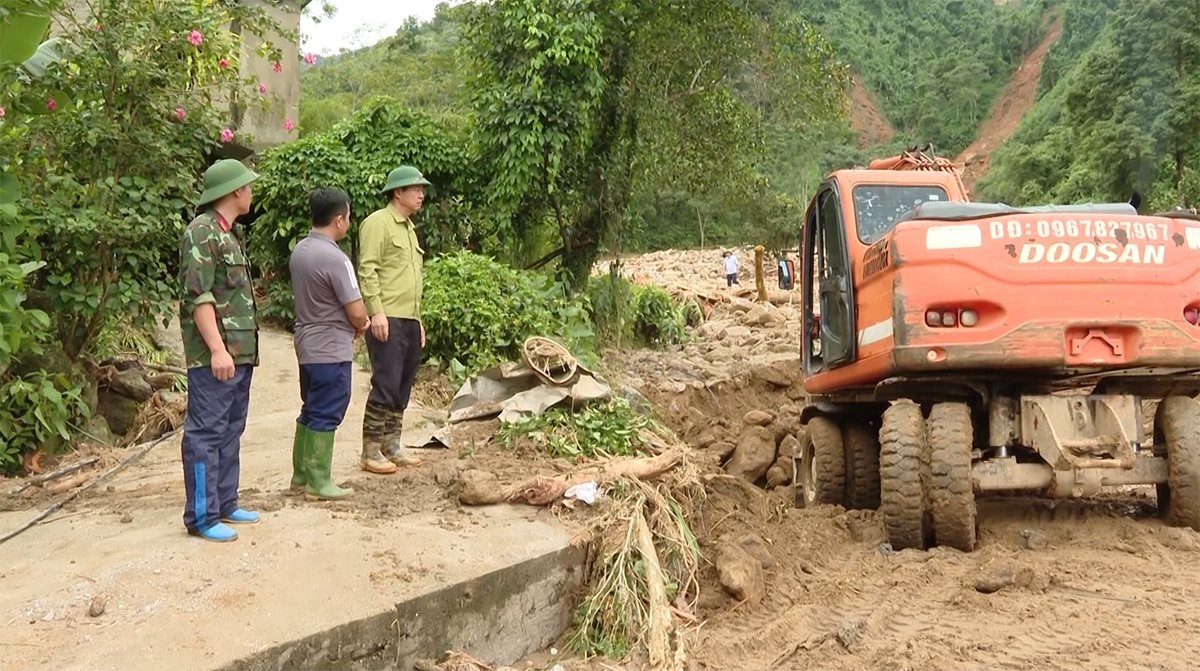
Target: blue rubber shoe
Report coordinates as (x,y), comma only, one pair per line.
(218,533)
(240,516)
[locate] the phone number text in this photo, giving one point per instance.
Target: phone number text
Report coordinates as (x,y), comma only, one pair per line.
(1079,228)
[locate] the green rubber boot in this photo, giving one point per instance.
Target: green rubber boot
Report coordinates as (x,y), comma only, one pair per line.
(319,465)
(299,479)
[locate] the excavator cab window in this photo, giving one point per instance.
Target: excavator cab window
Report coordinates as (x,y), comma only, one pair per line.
(829,287)
(877,207)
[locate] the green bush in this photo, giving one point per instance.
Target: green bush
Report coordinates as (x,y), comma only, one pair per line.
(610,429)
(477,312)
(628,314)
(38,410)
(356,156)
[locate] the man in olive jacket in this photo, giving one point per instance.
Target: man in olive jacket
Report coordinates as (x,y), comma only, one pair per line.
(389,267)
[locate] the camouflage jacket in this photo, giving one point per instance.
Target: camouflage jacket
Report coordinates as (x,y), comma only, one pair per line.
(213,268)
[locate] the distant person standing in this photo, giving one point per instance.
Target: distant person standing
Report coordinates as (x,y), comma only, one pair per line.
(329,315)
(220,340)
(731,269)
(389,265)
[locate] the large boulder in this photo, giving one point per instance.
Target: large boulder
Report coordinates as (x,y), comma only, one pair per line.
(120,411)
(754,454)
(132,383)
(740,573)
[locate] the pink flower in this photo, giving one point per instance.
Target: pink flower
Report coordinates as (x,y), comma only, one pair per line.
(179,113)
(287,124)
(223,63)
(195,38)
(262,88)
(51,104)
(96,27)
(277,66)
(226,135)
(310,58)
(1,112)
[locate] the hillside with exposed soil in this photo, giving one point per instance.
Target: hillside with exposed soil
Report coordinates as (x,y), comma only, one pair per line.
(1014,101)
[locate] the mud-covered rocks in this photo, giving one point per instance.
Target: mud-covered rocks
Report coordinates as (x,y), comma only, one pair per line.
(753,544)
(782,472)
(758,418)
(132,383)
(479,488)
(754,453)
(740,573)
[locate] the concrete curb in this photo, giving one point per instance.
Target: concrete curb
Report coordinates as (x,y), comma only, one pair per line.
(498,617)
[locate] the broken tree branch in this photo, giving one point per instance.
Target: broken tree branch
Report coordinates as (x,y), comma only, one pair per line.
(544,490)
(658,635)
(39,480)
(164,368)
(95,481)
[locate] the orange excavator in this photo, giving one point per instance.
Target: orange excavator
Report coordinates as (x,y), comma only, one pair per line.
(956,348)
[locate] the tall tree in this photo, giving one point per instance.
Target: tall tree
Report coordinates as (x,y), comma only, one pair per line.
(583,104)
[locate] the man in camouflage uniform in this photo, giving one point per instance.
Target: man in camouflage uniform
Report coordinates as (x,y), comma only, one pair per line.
(220,340)
(389,269)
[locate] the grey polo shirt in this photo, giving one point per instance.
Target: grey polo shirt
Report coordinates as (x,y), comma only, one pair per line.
(323,282)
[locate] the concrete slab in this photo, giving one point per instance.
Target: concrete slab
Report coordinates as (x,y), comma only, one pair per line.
(179,603)
(312,585)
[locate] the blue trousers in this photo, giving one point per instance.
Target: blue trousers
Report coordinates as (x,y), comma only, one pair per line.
(212,442)
(324,395)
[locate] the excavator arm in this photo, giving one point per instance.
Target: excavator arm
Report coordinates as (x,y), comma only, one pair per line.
(917,158)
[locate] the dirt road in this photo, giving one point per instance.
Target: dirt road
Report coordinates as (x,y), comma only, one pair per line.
(1097,584)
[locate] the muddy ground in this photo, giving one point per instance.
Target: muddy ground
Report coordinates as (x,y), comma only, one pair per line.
(1096,584)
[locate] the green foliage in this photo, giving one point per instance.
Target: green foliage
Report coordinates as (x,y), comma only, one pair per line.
(36,411)
(477,312)
(19,327)
(579,113)
(356,155)
(609,429)
(935,66)
(631,314)
(420,57)
(110,171)
(1123,118)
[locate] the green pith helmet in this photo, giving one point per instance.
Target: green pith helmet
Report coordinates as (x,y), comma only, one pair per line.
(223,178)
(405,175)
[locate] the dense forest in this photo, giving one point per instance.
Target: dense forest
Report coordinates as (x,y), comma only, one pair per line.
(1116,105)
(1118,110)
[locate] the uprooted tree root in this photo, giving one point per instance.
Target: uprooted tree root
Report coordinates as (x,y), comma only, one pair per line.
(643,571)
(479,488)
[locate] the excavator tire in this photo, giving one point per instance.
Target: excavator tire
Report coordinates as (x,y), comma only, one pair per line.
(862,466)
(951,498)
(822,476)
(1180,422)
(902,448)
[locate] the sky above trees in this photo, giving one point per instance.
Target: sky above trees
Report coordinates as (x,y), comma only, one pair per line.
(356,20)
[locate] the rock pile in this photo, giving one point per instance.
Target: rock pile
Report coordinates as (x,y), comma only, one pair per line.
(734,388)
(126,390)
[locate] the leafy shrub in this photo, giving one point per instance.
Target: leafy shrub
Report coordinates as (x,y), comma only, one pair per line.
(356,155)
(477,312)
(36,411)
(110,166)
(626,313)
(607,429)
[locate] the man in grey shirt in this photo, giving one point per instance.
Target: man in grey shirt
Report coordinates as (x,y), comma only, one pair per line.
(329,315)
